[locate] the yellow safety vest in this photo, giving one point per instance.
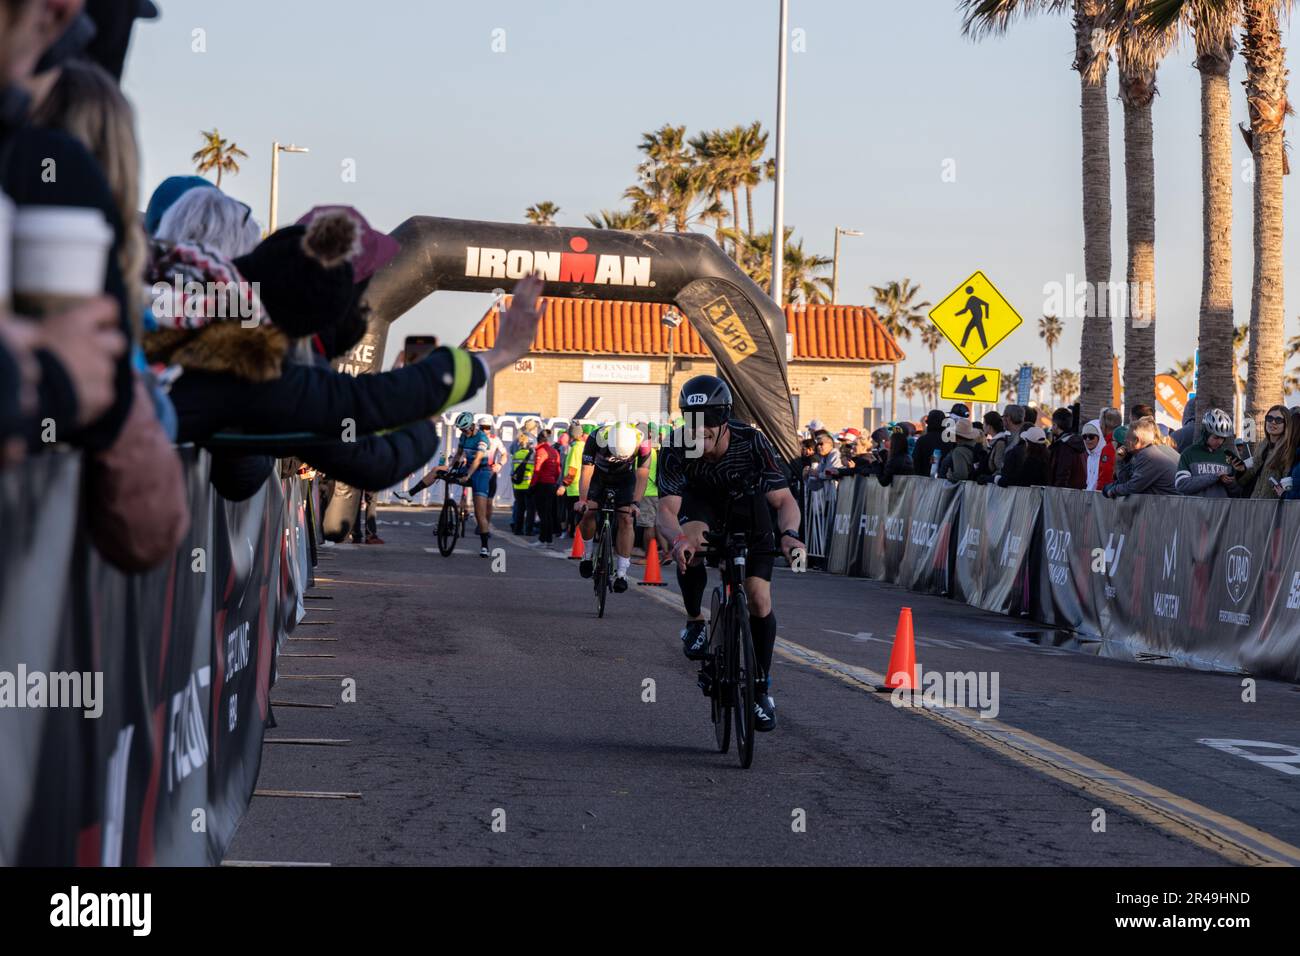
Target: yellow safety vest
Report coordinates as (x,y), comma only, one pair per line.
(652,486)
(574,463)
(520,455)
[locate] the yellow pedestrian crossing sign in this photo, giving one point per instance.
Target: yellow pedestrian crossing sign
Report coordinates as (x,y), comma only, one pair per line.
(964,383)
(975,318)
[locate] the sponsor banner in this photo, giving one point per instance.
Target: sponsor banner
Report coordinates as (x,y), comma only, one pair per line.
(1210,584)
(930,520)
(995,532)
(842,523)
(160,769)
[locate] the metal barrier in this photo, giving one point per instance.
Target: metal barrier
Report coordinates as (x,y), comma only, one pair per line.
(818,517)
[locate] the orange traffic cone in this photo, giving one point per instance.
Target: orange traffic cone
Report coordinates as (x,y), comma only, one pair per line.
(902,659)
(575,553)
(653,578)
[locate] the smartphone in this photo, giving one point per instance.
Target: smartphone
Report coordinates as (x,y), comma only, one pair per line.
(417,347)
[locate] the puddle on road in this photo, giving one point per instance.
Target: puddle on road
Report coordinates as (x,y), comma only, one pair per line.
(1064,640)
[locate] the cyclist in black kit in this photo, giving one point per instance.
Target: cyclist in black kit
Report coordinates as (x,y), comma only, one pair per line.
(719,474)
(616,456)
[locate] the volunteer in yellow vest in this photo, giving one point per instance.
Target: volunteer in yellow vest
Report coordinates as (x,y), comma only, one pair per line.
(578,433)
(521,477)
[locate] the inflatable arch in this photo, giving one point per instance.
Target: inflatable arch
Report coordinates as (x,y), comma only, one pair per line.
(741,326)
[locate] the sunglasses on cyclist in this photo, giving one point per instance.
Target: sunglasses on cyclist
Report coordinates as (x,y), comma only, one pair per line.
(710,417)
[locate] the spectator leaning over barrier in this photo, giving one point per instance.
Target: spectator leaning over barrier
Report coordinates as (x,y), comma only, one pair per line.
(899,461)
(1208,469)
(930,447)
(968,461)
(1272,458)
(1091,435)
(1068,454)
(826,458)
(1288,487)
(1151,465)
(85,382)
(998,438)
(1026,463)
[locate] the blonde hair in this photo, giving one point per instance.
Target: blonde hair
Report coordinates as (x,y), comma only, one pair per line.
(86,103)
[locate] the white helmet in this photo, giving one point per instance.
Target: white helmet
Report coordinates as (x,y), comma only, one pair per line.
(1218,422)
(485,420)
(623,440)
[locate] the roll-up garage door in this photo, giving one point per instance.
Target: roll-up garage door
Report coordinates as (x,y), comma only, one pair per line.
(613,402)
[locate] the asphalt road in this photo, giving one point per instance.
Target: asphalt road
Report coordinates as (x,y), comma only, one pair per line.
(497,721)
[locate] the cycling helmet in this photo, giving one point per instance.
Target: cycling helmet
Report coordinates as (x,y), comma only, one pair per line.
(623,441)
(1218,422)
(708,395)
(464,421)
(487,420)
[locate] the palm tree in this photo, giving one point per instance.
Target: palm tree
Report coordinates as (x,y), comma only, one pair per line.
(1240,362)
(801,279)
(1049,330)
(674,186)
(629,220)
(711,151)
(1267,108)
(1138,52)
(755,169)
(1211,22)
(1037,379)
(908,388)
(928,385)
(217,153)
(1011,384)
(542,213)
(1065,385)
(1091,60)
(900,315)
(932,338)
(1184,371)
(879,382)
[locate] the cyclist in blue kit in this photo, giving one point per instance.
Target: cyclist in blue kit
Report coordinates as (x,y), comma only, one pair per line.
(472,466)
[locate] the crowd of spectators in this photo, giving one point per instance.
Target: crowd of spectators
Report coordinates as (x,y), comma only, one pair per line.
(1011,449)
(202,331)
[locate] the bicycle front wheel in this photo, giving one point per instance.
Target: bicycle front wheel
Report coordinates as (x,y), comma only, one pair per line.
(720,697)
(745,668)
(600,572)
(448,523)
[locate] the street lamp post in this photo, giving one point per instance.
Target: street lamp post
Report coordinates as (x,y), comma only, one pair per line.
(835,261)
(671,320)
(778,215)
(276,150)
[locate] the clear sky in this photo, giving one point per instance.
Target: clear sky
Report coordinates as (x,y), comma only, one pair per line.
(882,96)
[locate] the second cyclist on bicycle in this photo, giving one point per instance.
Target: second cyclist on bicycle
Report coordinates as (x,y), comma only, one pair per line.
(471,466)
(616,457)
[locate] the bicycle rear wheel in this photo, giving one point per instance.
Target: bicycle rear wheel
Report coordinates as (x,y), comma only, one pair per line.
(720,697)
(600,572)
(448,522)
(744,668)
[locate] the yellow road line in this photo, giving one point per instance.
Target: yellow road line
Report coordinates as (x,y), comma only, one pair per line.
(1235,841)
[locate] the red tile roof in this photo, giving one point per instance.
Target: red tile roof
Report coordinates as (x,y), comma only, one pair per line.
(843,333)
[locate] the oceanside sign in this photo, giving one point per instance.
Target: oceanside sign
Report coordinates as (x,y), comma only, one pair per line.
(615,371)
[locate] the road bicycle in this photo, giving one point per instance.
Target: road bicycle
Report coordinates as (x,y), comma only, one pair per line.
(602,555)
(451,521)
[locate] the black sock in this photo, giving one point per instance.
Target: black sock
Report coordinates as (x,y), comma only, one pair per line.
(693,583)
(763,631)
(484,539)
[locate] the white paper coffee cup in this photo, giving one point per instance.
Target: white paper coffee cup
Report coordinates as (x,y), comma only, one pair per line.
(60,257)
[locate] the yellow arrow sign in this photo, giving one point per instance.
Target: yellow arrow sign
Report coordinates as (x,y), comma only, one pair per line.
(975,318)
(962,383)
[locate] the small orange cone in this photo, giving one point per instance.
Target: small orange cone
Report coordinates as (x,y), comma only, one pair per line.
(575,553)
(902,659)
(653,578)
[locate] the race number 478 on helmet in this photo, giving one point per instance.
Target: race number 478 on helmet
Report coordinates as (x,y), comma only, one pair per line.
(707,396)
